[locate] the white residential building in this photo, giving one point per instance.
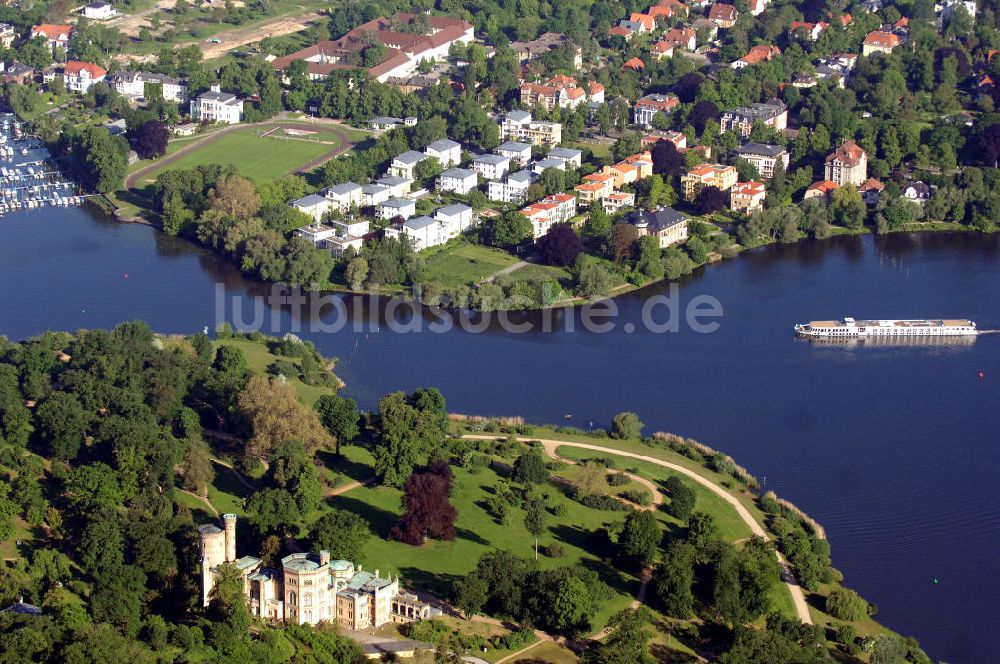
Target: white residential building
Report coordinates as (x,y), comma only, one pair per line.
(350,233)
(422,232)
(344,196)
(513,189)
(132,84)
(540,165)
(456,217)
(458,180)
(397,207)
(217,106)
(374,194)
(314,205)
(764,157)
(99,11)
(57,36)
(79,76)
(572,157)
(448,153)
(518,126)
(383,123)
(404,165)
(519,153)
(551,210)
(492,166)
(316,233)
(398,187)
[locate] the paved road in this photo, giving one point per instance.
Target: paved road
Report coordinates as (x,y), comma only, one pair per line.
(798,596)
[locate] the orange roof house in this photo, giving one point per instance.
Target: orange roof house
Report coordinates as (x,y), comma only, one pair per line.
(756,55)
(823,188)
(879,42)
(723,15)
(635,64)
(645,20)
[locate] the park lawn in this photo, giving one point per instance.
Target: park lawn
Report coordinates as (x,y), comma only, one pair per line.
(261,159)
(22,532)
(536,271)
(459,262)
(549,652)
(817,600)
(226,492)
(485,630)
(259,358)
(199,511)
(436,565)
(731,527)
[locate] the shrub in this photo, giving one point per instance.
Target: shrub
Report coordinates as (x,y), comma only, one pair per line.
(559,509)
(606,503)
(554,550)
(845,634)
(638,496)
(845,604)
(618,479)
(626,425)
(682,498)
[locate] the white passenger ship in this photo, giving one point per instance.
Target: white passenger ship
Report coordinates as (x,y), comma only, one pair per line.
(885,329)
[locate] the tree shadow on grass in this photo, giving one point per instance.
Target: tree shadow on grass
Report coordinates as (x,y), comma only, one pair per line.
(466,534)
(438,583)
(379,520)
(617,580)
(355,470)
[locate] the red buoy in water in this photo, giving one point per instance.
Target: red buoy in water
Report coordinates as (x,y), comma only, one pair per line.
(982,375)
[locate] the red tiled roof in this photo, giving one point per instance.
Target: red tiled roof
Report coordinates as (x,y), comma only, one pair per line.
(721,12)
(849,153)
(76,68)
(634,64)
(823,186)
(760,53)
(871,184)
(50,31)
(619,30)
(645,20)
(750,188)
(882,39)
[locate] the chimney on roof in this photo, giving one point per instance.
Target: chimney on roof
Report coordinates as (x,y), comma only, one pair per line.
(216,87)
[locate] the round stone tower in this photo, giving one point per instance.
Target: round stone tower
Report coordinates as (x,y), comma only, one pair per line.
(229,523)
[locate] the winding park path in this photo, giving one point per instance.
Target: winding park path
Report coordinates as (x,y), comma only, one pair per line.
(798,596)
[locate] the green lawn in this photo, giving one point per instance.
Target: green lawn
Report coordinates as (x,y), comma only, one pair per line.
(259,358)
(535,271)
(435,565)
(459,262)
(226,492)
(261,159)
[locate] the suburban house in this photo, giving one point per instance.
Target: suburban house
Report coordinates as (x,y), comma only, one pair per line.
(664,223)
(821,189)
(309,588)
(7,35)
(810,31)
(15,72)
(491,166)
(918,192)
(405,45)
(513,189)
(404,165)
(217,106)
(648,106)
(764,157)
(617,201)
(57,36)
(457,216)
(99,11)
(685,38)
(344,196)
(570,157)
(708,29)
(316,233)
(518,126)
(536,48)
(79,76)
(747,196)
(350,234)
(457,180)
(314,205)
(135,85)
(551,210)
(448,153)
(757,7)
(397,207)
(756,55)
(723,15)
(848,164)
(708,175)
(519,153)
(773,114)
(560,91)
(374,194)
(662,49)
(879,42)
(871,191)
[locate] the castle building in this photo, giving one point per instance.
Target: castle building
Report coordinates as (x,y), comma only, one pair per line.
(309,588)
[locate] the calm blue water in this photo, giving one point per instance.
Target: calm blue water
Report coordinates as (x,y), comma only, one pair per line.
(893,449)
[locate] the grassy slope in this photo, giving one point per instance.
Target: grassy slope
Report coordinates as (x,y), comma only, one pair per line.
(458,263)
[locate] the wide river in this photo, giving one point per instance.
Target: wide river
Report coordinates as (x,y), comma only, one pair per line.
(894,449)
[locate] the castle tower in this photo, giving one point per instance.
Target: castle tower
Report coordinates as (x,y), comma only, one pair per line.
(229,522)
(213,554)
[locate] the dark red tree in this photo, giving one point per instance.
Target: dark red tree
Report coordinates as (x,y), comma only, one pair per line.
(427,512)
(151,139)
(687,86)
(560,246)
(702,113)
(666,159)
(710,199)
(989,143)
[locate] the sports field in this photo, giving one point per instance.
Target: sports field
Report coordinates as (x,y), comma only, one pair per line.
(260,158)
